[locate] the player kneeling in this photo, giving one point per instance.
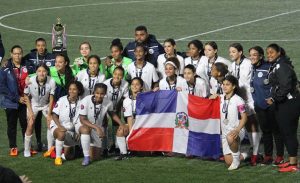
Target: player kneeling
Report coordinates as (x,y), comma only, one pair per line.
(129,108)
(233,120)
(65,121)
(92,112)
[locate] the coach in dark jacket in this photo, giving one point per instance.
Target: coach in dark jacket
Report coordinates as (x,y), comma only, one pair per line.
(149,40)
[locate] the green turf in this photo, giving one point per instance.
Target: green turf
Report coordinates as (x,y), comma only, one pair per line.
(176,19)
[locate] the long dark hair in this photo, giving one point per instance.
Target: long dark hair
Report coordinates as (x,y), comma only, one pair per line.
(68,71)
(198,44)
(79,87)
(235,82)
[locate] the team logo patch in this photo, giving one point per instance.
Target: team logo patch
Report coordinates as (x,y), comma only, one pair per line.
(25,70)
(48,64)
(151,51)
(82,107)
(260,74)
(182,120)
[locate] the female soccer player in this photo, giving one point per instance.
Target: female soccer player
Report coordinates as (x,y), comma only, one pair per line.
(80,63)
(193,84)
(129,109)
(62,74)
(218,72)
(170,51)
(143,69)
(39,96)
(116,49)
(65,120)
(90,76)
(196,58)
(233,120)
(93,109)
(172,80)
(242,69)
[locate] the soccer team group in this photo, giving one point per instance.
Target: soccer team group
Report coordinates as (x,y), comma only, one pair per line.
(258,96)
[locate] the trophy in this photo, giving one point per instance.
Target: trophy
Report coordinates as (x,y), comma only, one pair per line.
(59,38)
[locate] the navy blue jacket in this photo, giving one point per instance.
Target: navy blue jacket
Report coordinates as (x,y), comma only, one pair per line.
(33,59)
(2,51)
(261,91)
(153,46)
(9,94)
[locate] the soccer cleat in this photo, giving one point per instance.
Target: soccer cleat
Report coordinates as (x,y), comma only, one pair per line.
(122,157)
(234,166)
(13,152)
(48,153)
(279,160)
(27,154)
(289,168)
(33,152)
(86,161)
(283,165)
(58,161)
(253,161)
(267,160)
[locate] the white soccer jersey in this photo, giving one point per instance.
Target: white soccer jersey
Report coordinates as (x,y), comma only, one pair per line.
(40,94)
(129,107)
(201,66)
(200,89)
(161,60)
(89,82)
(68,113)
(215,86)
(95,113)
(116,94)
(231,110)
(164,85)
(147,74)
(243,73)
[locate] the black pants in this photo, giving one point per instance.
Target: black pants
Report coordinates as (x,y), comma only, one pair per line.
(38,127)
(270,130)
(287,116)
(12,116)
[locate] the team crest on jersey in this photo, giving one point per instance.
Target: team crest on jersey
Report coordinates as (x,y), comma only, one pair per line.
(25,70)
(82,107)
(260,74)
(182,120)
(48,64)
(151,51)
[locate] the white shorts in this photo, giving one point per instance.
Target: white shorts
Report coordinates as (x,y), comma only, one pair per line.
(69,136)
(96,141)
(36,110)
(225,145)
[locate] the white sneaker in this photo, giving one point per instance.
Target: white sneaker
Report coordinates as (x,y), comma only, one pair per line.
(27,154)
(234,166)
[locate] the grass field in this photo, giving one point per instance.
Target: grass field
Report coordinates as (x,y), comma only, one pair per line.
(252,23)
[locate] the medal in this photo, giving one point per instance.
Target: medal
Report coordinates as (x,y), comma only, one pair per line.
(225,121)
(266,81)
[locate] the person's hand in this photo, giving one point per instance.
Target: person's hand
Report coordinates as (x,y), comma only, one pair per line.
(178,88)
(62,128)
(22,100)
(155,89)
(269,101)
(100,132)
(234,134)
(213,96)
(25,179)
(125,129)
(108,62)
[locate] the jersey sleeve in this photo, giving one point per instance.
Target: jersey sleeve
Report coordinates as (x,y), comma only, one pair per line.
(154,75)
(83,107)
(110,107)
(52,87)
(57,107)
(127,108)
(126,91)
(241,107)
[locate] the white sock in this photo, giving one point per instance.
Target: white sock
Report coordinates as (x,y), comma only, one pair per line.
(121,141)
(58,147)
(85,143)
(236,158)
(27,142)
(50,139)
(244,155)
(256,139)
(250,138)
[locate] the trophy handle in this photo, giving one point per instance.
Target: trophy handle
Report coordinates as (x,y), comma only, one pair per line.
(53,36)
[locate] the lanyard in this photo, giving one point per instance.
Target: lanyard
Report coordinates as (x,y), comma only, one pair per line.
(174,85)
(237,68)
(140,73)
(72,111)
(195,65)
(61,80)
(115,94)
(38,60)
(193,87)
(97,111)
(92,82)
(225,106)
(133,106)
(219,88)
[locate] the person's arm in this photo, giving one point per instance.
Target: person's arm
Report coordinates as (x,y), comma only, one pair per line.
(29,108)
(242,122)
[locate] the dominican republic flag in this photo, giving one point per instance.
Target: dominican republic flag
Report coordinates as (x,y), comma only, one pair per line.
(176,122)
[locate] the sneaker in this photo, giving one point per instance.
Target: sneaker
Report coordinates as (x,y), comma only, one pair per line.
(48,153)
(234,166)
(111,149)
(283,165)
(268,160)
(253,161)
(121,157)
(86,161)
(58,161)
(27,154)
(289,168)
(13,152)
(279,160)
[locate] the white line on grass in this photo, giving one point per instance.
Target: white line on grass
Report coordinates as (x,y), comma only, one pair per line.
(71,6)
(237,25)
